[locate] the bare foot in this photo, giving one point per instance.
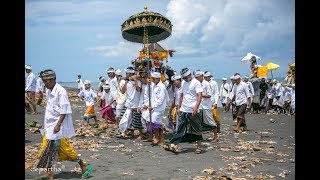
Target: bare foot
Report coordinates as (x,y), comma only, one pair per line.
(215,139)
(140,138)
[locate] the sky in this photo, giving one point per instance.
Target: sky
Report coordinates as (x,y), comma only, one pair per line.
(84,37)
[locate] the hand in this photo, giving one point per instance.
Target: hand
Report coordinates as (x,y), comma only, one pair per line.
(194,111)
(56,129)
(150,108)
(139,110)
(178,111)
(145,107)
(215,106)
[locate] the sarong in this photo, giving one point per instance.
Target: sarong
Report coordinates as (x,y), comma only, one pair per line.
(108,114)
(208,123)
(50,148)
(156,118)
(136,123)
(215,115)
(90,113)
(239,111)
(189,129)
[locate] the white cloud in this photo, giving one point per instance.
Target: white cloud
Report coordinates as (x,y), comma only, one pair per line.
(126,50)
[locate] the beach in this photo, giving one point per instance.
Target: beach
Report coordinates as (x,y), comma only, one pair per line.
(265,151)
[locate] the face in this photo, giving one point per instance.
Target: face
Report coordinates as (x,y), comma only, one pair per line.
(237,81)
(176,82)
(156,80)
(28,70)
(207,78)
(144,80)
(224,81)
(87,86)
(107,90)
(111,74)
(200,78)
(49,83)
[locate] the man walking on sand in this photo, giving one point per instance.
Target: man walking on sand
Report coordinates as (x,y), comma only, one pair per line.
(58,128)
(240,92)
(189,123)
(30,90)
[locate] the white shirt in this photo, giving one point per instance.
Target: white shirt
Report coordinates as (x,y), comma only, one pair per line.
(143,95)
(133,96)
(31,82)
(120,97)
(215,91)
(177,93)
(80,84)
(39,85)
(241,91)
(206,103)
(158,96)
(57,104)
(189,91)
(113,83)
(108,98)
(224,90)
(251,90)
(88,95)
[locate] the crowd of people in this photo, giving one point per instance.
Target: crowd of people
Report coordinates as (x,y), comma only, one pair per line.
(139,101)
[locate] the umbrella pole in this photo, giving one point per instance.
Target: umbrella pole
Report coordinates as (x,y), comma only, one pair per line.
(148,64)
(271,74)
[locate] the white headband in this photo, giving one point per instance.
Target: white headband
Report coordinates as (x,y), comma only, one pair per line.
(207,74)
(129,70)
(156,75)
(186,73)
(198,73)
(175,77)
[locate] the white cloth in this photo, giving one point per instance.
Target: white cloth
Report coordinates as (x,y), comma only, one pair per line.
(133,96)
(57,103)
(189,91)
(251,90)
(177,93)
(88,95)
(39,85)
(80,84)
(121,97)
(241,91)
(108,98)
(125,120)
(158,97)
(208,117)
(113,83)
(224,90)
(206,103)
(215,91)
(31,82)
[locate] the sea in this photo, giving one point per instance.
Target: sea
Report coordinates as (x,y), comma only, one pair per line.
(95,85)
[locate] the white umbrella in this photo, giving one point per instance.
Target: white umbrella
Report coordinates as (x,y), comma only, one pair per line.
(248,57)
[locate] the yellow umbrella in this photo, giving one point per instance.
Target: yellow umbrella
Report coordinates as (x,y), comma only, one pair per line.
(272,66)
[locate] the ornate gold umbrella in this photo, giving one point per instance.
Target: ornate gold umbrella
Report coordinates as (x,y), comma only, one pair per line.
(146,27)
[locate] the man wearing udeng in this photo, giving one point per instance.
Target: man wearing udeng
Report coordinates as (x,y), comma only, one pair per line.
(58,127)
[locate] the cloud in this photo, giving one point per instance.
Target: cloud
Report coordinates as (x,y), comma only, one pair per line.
(122,49)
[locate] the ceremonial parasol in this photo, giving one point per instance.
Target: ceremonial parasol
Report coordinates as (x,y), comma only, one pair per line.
(272,66)
(146,27)
(249,56)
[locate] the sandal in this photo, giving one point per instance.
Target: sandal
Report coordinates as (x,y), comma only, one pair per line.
(171,148)
(87,174)
(198,151)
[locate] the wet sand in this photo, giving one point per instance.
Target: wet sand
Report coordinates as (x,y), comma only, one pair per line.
(265,151)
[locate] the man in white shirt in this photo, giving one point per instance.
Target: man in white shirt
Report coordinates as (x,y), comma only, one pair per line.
(251,90)
(214,97)
(177,83)
(58,128)
(189,126)
(112,81)
(240,92)
(130,118)
(39,91)
(224,93)
(208,123)
(158,105)
(30,90)
(80,83)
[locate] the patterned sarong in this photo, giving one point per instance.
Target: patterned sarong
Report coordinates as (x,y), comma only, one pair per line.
(90,113)
(108,113)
